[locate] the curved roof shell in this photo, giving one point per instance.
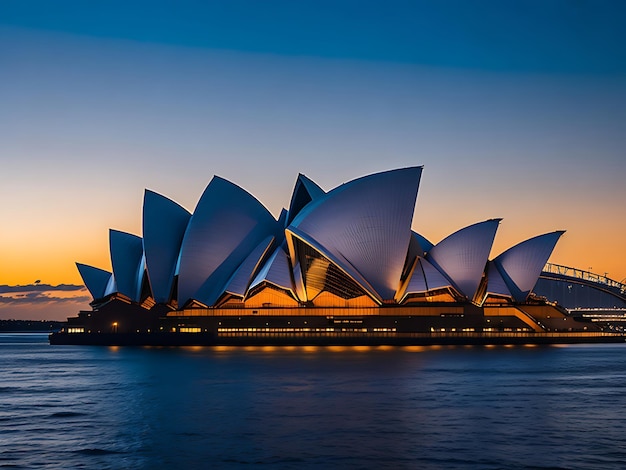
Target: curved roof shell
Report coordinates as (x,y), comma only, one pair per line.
(276,271)
(227,224)
(463,255)
(434,278)
(495,283)
(279,234)
(164,225)
(424,244)
(364,226)
(521,265)
(111,287)
(417,283)
(241,278)
(425,277)
(95,279)
(304,191)
(127,260)
(416,250)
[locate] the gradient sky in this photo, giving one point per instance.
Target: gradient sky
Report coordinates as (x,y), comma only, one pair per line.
(516,109)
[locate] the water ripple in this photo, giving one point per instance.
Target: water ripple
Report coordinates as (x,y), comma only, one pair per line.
(289,408)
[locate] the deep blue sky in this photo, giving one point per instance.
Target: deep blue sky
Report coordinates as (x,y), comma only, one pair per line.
(564,36)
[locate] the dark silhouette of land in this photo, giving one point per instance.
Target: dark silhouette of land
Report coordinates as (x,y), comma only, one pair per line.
(30,326)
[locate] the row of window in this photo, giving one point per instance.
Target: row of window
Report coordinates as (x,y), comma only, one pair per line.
(304,330)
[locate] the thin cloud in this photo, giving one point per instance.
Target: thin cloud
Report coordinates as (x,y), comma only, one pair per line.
(42,293)
(36,298)
(40,287)
(42,301)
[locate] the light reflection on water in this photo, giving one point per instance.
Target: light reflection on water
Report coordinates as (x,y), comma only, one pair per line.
(304,407)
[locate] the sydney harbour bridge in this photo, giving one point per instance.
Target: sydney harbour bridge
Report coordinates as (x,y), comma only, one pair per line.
(586,294)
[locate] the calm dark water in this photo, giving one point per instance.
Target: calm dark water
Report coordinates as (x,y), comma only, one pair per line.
(467,408)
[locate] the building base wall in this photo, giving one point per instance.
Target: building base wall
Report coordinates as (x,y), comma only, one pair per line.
(124,324)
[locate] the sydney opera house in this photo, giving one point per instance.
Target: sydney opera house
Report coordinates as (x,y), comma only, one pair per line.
(337,267)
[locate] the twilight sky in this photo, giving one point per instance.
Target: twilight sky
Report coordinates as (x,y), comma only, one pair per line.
(516,109)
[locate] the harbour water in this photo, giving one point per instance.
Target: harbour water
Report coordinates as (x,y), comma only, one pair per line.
(304,407)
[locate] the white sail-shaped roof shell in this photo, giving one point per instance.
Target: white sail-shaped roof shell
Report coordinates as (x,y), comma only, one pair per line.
(521,264)
(279,234)
(111,287)
(304,191)
(364,226)
(425,277)
(495,283)
(463,255)
(127,260)
(95,279)
(226,226)
(276,271)
(164,225)
(418,246)
(239,281)
(434,278)
(417,283)
(423,242)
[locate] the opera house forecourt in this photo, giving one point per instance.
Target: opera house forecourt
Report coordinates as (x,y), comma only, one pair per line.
(341,267)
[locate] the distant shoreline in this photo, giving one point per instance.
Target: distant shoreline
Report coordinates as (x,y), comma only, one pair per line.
(30,326)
